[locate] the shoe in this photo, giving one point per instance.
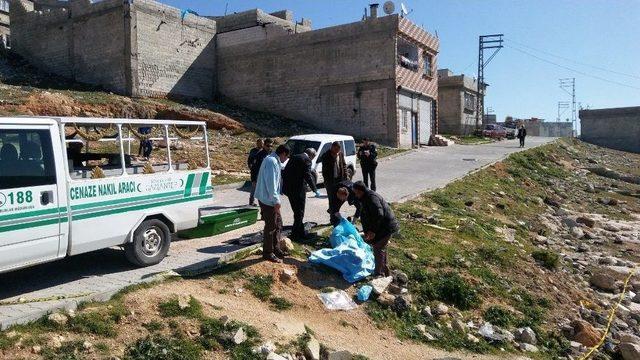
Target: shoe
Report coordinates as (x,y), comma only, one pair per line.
(281,254)
(272,258)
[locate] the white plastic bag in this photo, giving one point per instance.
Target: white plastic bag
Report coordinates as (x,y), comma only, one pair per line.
(337,300)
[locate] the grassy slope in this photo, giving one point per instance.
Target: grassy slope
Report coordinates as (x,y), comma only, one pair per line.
(471,265)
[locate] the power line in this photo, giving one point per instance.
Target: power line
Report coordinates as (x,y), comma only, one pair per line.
(571,69)
(574,61)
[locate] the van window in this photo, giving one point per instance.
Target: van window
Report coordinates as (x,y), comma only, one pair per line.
(325,148)
(26,158)
(299,146)
(188,147)
(93,151)
(145,149)
(349,148)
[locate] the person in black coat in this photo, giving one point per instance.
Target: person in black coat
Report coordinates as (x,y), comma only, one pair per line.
(251,160)
(522,133)
(256,163)
(294,176)
(334,170)
(378,223)
(368,157)
(346,194)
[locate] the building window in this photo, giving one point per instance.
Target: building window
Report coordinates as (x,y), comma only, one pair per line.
(407,55)
(4,5)
(405,120)
(469,101)
(428,64)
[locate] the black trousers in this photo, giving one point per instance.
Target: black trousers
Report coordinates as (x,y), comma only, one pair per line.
(379,245)
(334,202)
(369,172)
(522,141)
(298,202)
(272,230)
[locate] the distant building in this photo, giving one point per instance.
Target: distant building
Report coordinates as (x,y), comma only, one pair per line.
(5,28)
(490,119)
(457,96)
(539,127)
(615,128)
(375,77)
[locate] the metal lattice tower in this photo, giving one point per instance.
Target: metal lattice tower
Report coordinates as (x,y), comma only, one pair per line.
(569,86)
(562,107)
(485,42)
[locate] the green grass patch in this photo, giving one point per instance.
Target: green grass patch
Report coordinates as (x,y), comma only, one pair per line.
(280,303)
(217,335)
(70,350)
(497,315)
(164,348)
(260,286)
(448,287)
(153,326)
(547,258)
(172,308)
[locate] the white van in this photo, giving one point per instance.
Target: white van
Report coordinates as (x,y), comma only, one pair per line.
(322,143)
(73,185)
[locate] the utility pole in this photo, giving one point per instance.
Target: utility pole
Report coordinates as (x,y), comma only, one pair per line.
(562,105)
(568,85)
(485,42)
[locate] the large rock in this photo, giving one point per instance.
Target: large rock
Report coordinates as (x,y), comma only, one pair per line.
(402,303)
(603,281)
(528,348)
(239,337)
(312,349)
(459,326)
(381,284)
(629,351)
(339,355)
(494,333)
(58,319)
(441,309)
(274,356)
(585,334)
(586,221)
(526,335)
(287,244)
(386,299)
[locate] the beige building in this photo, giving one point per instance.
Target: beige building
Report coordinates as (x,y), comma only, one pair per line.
(457,97)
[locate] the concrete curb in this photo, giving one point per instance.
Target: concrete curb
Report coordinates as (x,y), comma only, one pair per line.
(188,271)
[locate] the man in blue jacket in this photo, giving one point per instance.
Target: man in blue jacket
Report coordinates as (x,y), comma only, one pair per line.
(268,188)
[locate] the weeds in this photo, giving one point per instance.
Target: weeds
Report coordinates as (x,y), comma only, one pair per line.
(70,350)
(173,308)
(260,286)
(164,348)
(498,315)
(280,303)
(216,334)
(153,326)
(449,287)
(547,258)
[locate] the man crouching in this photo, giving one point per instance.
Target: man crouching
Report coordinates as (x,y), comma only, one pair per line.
(378,223)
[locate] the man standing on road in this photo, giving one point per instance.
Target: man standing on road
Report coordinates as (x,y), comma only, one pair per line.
(334,170)
(294,176)
(267,144)
(251,160)
(378,223)
(522,133)
(268,189)
(368,162)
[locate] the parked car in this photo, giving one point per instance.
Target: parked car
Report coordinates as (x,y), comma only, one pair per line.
(494,131)
(511,132)
(321,143)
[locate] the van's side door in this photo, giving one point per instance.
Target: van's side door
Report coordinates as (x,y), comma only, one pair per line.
(31,212)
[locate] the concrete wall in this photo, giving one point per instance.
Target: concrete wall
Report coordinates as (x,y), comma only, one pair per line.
(340,79)
(616,128)
(175,56)
(453,118)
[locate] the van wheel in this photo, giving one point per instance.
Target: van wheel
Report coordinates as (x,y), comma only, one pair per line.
(150,245)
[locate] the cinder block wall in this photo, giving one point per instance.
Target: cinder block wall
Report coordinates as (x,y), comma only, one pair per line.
(172,55)
(43,38)
(616,128)
(341,79)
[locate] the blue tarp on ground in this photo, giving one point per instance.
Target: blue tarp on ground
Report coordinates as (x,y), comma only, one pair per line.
(350,254)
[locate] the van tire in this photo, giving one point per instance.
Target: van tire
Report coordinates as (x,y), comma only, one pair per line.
(151,242)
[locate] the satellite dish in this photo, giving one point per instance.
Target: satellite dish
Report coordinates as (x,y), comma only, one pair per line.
(389,7)
(403,9)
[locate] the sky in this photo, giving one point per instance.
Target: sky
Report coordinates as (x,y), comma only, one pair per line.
(595,41)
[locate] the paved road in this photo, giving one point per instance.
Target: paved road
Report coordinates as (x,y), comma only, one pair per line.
(98,275)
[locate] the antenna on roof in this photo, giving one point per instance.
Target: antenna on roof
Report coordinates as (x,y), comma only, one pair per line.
(403,10)
(226,7)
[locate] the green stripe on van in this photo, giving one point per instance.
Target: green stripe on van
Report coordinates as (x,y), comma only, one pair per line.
(31,224)
(187,188)
(203,183)
(138,207)
(33,213)
(124,200)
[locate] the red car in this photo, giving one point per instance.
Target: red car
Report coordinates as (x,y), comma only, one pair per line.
(494,131)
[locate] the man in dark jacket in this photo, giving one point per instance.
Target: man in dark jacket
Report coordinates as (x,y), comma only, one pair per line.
(251,160)
(334,170)
(345,193)
(378,223)
(295,175)
(522,133)
(368,157)
(267,144)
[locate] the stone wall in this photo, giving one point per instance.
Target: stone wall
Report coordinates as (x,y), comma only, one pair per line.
(615,128)
(340,79)
(175,55)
